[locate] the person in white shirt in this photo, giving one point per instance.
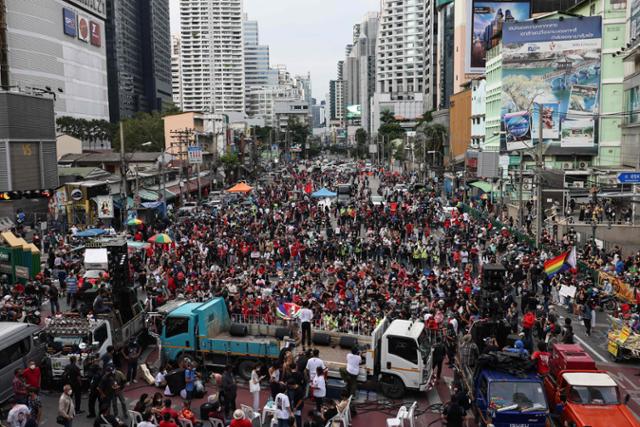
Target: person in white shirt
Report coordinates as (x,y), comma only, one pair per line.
(350,374)
(306,316)
(283,409)
(319,386)
(146,420)
(313,364)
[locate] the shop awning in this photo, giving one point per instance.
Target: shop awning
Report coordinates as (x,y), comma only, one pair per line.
(11,239)
(150,195)
(482,185)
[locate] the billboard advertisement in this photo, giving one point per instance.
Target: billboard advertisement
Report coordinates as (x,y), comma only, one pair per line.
(487,20)
(354,111)
(70,22)
(83,28)
(195,155)
(105,206)
(96,35)
(554,64)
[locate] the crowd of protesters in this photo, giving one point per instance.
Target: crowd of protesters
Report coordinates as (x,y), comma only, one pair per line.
(415,256)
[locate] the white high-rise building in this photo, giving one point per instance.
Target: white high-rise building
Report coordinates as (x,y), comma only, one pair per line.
(360,68)
(176,72)
(404,35)
(212,51)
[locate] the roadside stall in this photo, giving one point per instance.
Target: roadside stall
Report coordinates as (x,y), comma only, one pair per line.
(623,342)
(19,260)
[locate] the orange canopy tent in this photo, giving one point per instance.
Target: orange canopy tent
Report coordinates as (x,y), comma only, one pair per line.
(240,187)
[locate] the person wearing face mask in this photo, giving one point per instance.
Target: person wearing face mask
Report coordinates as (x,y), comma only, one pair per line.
(66,407)
(32,375)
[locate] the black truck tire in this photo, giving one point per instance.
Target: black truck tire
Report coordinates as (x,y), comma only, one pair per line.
(244,368)
(392,387)
(238,330)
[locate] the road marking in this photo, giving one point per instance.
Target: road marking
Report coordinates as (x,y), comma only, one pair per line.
(591,349)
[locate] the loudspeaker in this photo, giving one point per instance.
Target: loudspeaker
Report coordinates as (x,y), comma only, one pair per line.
(281,333)
(175,381)
(321,339)
(238,330)
(205,409)
(348,343)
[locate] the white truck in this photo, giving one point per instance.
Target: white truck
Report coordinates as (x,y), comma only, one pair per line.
(397,355)
(71,335)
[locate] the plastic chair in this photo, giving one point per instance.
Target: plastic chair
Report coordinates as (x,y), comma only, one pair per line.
(216,422)
(411,414)
(249,413)
(184,422)
(135,417)
(398,421)
(344,417)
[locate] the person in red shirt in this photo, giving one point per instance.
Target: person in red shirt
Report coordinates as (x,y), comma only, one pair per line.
(167,421)
(168,410)
(32,375)
(239,419)
(542,357)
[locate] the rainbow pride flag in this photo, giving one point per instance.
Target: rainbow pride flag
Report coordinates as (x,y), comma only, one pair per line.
(560,264)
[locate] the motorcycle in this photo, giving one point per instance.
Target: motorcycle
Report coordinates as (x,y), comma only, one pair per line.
(31,308)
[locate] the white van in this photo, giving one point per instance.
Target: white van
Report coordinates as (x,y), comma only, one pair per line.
(18,345)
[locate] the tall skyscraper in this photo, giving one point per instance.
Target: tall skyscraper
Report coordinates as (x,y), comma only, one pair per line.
(176,72)
(402,74)
(359,68)
(256,56)
(138,56)
(213,72)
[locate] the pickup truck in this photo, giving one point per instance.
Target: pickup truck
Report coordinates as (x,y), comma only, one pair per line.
(71,335)
(503,399)
(397,355)
(580,395)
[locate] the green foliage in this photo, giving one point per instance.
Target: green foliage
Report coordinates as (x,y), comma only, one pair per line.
(435,137)
(263,134)
(361,144)
(142,128)
(390,129)
(399,152)
(387,117)
(230,159)
(86,130)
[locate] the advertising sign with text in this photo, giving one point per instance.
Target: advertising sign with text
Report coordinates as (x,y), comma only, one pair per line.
(555,63)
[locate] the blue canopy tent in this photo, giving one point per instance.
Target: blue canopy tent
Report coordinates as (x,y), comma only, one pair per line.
(91,232)
(323,192)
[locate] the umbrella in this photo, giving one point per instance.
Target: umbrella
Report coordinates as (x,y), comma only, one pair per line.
(161,238)
(288,311)
(323,192)
(134,221)
(91,232)
(240,187)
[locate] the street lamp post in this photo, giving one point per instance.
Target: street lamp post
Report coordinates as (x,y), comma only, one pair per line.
(594,226)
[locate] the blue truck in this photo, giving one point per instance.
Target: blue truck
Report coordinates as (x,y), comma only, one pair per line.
(197,331)
(507,400)
(397,355)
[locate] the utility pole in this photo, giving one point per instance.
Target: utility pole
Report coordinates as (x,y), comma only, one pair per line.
(123,166)
(520,188)
(540,168)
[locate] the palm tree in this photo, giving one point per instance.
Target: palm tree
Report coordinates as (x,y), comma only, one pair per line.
(436,135)
(387,117)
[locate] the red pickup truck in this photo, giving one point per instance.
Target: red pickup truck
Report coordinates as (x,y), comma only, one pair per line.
(580,395)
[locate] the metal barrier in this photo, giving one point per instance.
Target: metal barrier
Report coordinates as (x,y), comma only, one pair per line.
(324,324)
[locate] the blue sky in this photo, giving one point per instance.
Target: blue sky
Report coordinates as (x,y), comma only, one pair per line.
(306,35)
